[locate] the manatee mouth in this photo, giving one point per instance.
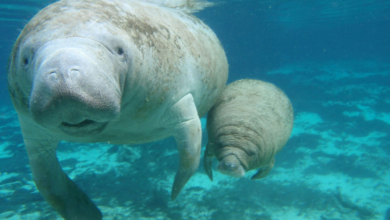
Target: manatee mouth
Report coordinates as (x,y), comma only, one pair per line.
(78,125)
(84,128)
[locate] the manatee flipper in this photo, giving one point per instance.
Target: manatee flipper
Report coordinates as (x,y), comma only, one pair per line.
(263,172)
(52,182)
(208,161)
(188,136)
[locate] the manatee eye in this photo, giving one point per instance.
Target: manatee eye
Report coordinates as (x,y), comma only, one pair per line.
(119,50)
(25,61)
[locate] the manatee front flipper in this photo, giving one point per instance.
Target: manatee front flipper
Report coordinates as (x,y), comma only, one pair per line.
(263,172)
(208,161)
(53,184)
(184,119)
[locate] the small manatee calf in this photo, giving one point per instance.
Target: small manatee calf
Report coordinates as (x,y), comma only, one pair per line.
(251,122)
(116,71)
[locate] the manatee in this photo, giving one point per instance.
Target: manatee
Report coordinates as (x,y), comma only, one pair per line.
(251,122)
(116,71)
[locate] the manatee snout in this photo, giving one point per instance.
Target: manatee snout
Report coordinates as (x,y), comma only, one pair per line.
(230,165)
(71,90)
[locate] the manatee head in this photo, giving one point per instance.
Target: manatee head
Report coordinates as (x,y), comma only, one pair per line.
(67,71)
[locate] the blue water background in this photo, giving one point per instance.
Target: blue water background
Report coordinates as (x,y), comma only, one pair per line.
(260,38)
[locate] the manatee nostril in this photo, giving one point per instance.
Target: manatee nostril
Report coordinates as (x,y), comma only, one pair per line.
(52,76)
(230,166)
(73,73)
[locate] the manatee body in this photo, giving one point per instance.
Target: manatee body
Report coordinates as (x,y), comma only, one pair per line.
(248,125)
(117,71)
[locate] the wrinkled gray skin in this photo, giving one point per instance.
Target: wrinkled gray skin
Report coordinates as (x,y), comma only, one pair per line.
(247,126)
(123,72)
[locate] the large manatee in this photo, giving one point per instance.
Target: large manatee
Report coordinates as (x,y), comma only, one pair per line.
(117,71)
(251,122)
